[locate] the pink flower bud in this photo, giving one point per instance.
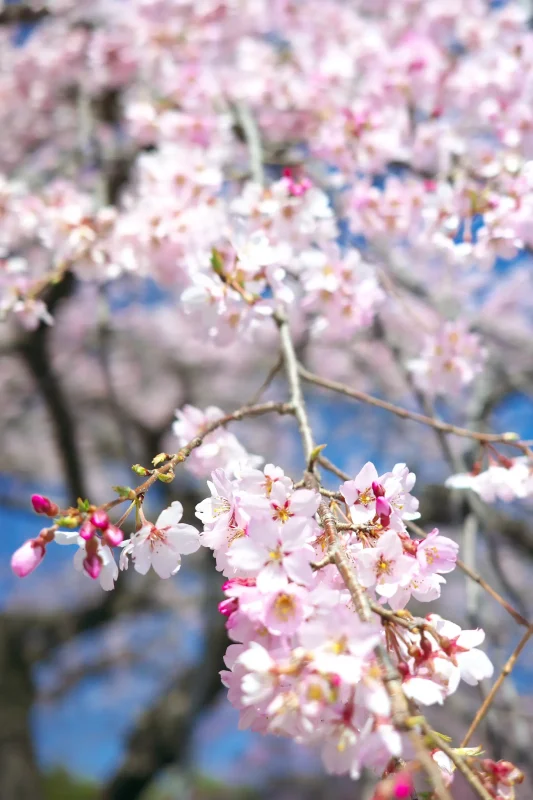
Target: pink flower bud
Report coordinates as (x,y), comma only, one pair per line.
(42,505)
(87,531)
(378,489)
(27,558)
(92,565)
(403,786)
(113,536)
(100,519)
(231,582)
(227,607)
(383,507)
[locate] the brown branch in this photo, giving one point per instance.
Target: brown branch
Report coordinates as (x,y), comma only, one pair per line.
(459,762)
(17,13)
(184,452)
(69,679)
(331,467)
(444,427)
(521,620)
(266,383)
(35,352)
(401,714)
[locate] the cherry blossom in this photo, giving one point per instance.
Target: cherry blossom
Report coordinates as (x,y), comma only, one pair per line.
(349,176)
(276,552)
(498,482)
(384,566)
(450,360)
(161,545)
(97,563)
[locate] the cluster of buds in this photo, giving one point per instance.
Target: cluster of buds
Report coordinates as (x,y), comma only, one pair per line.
(99,524)
(95,538)
(500,778)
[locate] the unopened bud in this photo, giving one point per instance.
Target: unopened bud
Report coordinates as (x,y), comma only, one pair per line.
(92,564)
(403,669)
(227,607)
(141,471)
(160,458)
(27,558)
(42,505)
(100,519)
(402,785)
(166,477)
(113,536)
(68,522)
(378,489)
(87,530)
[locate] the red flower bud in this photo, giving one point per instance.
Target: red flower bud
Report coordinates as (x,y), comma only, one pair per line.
(113,536)
(100,519)
(87,530)
(403,669)
(227,607)
(92,565)
(403,785)
(42,505)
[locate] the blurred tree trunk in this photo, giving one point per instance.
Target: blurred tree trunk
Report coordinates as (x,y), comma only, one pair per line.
(19,774)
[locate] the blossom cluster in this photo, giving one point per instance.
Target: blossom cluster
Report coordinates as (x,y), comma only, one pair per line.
(410,124)
(360,169)
(507,480)
(302,663)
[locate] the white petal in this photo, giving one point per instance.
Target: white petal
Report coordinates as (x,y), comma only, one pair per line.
(142,558)
(67,537)
(304,502)
(164,561)
(170,516)
(256,658)
(297,565)
(247,555)
(423,691)
(184,538)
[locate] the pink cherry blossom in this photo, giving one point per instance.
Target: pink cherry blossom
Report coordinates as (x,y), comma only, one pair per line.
(285,610)
(161,545)
(97,563)
(385,566)
(437,553)
(275,552)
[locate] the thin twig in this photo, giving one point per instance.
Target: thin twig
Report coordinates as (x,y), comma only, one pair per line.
(268,380)
(521,620)
(184,453)
(507,669)
(459,762)
(331,467)
(291,370)
(392,681)
(253,142)
(445,427)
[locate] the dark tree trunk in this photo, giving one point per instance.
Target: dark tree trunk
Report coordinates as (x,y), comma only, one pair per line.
(19,774)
